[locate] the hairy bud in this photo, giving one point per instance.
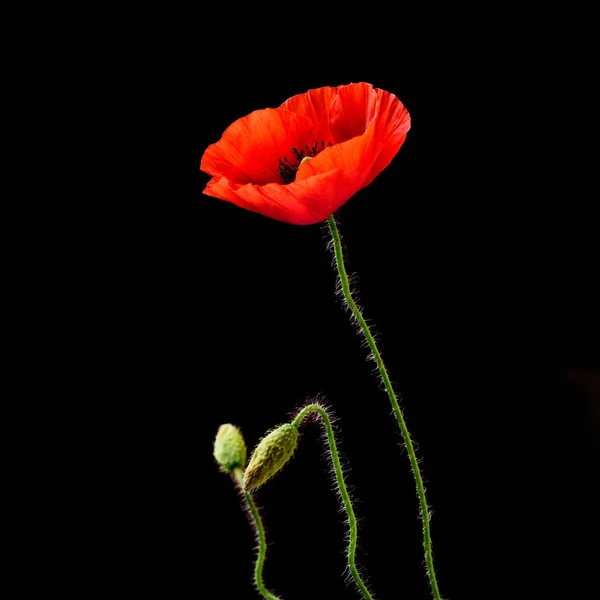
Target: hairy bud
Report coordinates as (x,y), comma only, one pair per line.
(230,448)
(271,454)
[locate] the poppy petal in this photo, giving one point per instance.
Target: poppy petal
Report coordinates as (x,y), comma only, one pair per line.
(363,157)
(314,104)
(303,202)
(354,108)
(251,147)
(393,123)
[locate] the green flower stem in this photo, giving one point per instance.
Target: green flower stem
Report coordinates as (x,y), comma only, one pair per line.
(414,463)
(317,408)
(259,530)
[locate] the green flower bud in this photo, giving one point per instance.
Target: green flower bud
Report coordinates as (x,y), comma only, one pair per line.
(272,452)
(230,448)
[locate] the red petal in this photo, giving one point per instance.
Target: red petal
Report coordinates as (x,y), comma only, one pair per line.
(314,104)
(365,155)
(354,108)
(392,125)
(302,202)
(250,149)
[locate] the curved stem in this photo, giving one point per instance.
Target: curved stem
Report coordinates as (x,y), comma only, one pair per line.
(259,530)
(414,463)
(317,408)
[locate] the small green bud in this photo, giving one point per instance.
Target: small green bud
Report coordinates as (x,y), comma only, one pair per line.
(272,452)
(230,448)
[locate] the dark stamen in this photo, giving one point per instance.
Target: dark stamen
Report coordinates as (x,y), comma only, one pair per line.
(287,170)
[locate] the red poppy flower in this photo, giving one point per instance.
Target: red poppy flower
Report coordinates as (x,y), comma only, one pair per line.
(300,162)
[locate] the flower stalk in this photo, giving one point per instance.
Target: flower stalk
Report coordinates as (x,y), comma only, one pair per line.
(230,454)
(259,530)
(414,463)
(339,477)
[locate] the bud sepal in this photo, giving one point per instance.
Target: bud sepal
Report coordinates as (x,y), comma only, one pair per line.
(270,455)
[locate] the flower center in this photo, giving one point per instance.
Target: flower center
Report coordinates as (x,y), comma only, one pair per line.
(287,169)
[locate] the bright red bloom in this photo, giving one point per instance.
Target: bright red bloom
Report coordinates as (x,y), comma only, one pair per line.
(350,132)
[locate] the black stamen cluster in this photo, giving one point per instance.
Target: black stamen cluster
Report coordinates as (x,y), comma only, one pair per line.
(287,170)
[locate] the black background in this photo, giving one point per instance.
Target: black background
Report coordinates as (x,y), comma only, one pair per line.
(474,261)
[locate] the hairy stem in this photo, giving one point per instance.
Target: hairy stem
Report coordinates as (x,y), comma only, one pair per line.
(414,463)
(339,476)
(259,530)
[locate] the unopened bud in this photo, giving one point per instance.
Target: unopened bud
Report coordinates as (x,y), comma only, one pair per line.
(271,454)
(230,448)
